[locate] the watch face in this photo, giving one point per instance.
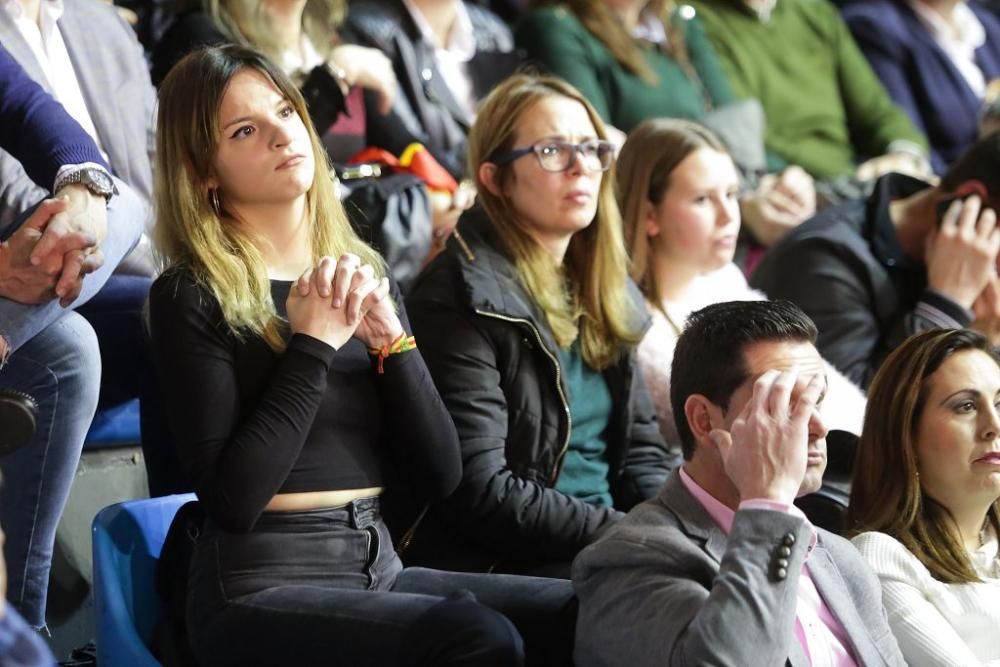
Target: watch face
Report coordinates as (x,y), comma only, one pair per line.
(98,179)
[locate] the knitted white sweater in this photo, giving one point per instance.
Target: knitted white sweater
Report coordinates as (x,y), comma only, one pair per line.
(937,624)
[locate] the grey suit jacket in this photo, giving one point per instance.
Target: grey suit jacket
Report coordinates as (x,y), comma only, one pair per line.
(665,586)
(114,78)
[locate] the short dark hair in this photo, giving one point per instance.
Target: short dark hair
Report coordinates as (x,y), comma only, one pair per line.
(709,358)
(981,162)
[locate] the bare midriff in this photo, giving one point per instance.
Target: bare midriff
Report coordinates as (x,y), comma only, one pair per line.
(314,500)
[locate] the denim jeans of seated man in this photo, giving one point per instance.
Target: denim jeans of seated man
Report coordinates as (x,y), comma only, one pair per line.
(54,358)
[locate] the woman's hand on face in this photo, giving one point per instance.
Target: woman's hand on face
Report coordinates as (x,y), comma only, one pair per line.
(370,69)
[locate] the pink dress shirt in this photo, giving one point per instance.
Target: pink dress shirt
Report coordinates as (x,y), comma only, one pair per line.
(821,635)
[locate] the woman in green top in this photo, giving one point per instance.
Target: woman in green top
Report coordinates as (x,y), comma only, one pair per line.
(639,59)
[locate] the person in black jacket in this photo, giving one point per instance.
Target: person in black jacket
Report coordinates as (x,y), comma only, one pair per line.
(447,56)
(531,323)
(910,257)
(295,391)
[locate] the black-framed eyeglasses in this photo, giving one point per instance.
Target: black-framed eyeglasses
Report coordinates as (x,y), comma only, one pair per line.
(597,155)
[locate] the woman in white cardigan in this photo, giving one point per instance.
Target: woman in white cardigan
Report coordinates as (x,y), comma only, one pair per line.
(678,190)
(924,502)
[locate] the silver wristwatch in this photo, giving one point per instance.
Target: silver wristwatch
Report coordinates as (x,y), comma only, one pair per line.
(96,180)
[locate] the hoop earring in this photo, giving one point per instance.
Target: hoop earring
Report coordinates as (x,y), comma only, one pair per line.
(213,200)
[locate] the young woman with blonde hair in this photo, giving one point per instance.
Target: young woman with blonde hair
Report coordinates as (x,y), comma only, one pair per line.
(531,322)
(678,192)
(296,393)
(925,500)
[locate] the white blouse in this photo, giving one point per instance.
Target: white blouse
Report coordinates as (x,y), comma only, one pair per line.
(843,408)
(938,624)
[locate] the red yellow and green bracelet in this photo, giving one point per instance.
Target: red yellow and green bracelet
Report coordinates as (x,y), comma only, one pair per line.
(403,343)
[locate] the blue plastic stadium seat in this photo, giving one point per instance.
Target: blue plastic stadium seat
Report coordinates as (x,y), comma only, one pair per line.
(127,541)
(114,426)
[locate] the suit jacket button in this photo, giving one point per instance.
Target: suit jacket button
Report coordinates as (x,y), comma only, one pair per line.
(782,563)
(784,552)
(789,539)
(426,74)
(781,573)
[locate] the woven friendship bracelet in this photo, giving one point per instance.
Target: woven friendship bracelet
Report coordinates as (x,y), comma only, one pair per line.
(403,343)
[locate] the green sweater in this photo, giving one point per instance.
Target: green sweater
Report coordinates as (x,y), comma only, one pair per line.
(556,40)
(826,110)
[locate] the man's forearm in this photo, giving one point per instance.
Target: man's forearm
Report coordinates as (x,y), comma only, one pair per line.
(19,323)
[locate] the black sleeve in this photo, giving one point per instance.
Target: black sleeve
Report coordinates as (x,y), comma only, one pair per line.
(237,461)
(649,459)
(493,506)
(419,426)
(405,122)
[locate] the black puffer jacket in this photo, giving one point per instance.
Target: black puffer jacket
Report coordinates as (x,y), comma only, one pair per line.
(425,110)
(496,365)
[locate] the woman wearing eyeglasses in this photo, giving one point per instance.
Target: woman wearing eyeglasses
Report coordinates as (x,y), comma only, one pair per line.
(531,324)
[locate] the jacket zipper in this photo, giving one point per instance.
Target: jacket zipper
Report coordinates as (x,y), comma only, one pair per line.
(562,397)
(404,542)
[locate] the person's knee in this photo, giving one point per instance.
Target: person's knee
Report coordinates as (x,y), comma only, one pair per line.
(460,631)
(61,363)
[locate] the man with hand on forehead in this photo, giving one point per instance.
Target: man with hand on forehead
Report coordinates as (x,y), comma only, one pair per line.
(721,567)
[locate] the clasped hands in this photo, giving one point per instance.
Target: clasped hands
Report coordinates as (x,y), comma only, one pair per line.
(55,248)
(772,434)
(341,298)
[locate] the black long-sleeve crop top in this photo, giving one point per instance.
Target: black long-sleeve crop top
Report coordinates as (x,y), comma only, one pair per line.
(252,423)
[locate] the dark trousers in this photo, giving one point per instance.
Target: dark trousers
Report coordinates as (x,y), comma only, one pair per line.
(325,587)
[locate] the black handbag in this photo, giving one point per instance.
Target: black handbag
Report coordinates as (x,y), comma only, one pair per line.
(390,211)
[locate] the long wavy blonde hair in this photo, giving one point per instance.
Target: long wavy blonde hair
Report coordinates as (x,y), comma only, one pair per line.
(587,295)
(602,22)
(222,254)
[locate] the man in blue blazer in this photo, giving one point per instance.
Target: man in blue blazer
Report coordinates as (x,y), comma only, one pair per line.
(106,61)
(921,75)
(51,261)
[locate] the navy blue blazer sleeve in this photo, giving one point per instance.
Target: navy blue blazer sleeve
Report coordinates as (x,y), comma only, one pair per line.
(36,130)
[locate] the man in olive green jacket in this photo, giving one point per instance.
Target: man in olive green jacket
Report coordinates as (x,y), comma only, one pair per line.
(825,108)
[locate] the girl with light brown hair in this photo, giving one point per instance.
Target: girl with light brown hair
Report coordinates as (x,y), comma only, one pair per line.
(531,322)
(678,190)
(925,500)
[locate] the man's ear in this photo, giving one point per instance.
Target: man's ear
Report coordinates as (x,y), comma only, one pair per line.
(488,178)
(702,416)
